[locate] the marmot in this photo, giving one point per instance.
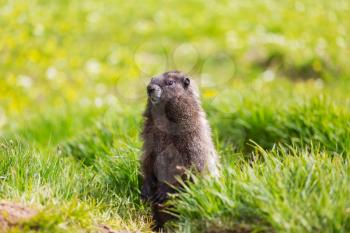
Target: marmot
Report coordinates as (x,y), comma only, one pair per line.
(177,138)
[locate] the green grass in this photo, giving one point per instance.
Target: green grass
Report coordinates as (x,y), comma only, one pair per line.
(317,121)
(296,191)
(70,194)
(274,79)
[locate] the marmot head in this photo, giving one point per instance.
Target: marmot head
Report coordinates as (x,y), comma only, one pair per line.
(167,86)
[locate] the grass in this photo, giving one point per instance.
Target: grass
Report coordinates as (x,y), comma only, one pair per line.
(295,191)
(262,188)
(317,120)
(70,195)
(274,84)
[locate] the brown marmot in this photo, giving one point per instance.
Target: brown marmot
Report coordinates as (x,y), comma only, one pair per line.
(177,138)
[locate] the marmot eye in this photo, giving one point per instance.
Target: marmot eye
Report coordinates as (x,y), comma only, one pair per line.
(170,82)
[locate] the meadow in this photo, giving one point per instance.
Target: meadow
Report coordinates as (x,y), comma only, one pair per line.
(274,81)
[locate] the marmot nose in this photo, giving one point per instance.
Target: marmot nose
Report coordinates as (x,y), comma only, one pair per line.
(150,89)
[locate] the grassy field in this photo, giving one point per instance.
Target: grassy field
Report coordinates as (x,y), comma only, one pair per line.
(274,80)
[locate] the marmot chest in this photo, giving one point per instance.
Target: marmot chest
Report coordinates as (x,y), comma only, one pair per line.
(168,164)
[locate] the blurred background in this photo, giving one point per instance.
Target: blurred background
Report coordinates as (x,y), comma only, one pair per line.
(99,53)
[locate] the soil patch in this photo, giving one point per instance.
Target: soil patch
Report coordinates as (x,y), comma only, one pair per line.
(13,214)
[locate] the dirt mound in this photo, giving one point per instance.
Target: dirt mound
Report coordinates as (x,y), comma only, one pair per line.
(12,214)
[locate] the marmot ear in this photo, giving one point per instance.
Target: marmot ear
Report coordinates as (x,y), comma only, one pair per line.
(187,82)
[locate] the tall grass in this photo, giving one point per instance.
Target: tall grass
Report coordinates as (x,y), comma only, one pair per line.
(317,120)
(302,190)
(68,194)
